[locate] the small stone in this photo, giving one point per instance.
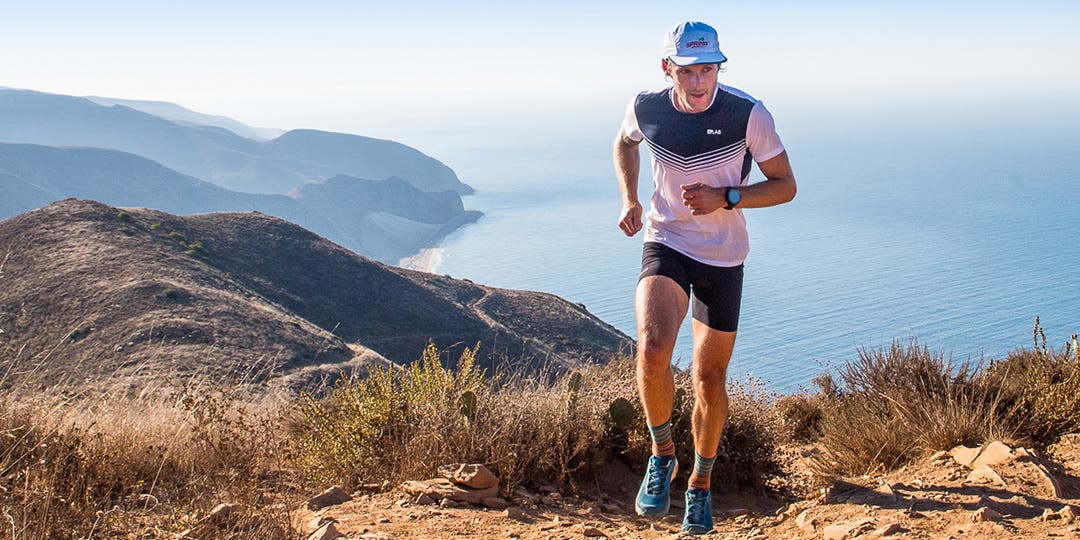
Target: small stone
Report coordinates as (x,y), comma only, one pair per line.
(887,530)
(985,514)
(515,513)
(382,520)
(940,455)
(737,512)
(593,532)
(374,536)
(447,503)
(995,453)
(330,497)
(473,475)
(326,532)
(964,455)
(1068,515)
(1048,515)
(496,503)
(985,475)
(424,500)
(223,513)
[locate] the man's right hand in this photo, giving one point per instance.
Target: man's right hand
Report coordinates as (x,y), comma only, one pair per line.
(630,221)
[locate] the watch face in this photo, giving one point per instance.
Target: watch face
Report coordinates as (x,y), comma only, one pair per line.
(733,196)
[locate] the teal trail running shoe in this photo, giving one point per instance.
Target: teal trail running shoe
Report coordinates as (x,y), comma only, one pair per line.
(698,518)
(654,496)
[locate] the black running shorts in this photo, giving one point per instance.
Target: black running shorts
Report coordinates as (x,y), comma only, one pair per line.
(716,291)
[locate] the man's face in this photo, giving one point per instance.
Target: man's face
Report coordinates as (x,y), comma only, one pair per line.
(693,84)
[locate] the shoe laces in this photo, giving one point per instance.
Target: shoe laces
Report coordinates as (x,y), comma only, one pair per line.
(658,476)
(696,507)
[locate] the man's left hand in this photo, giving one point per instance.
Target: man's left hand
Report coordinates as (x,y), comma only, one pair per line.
(702,199)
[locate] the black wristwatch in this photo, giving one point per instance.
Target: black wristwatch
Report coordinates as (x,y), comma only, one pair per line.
(732,196)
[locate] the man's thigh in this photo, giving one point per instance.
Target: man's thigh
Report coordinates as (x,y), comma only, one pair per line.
(712,349)
(661,304)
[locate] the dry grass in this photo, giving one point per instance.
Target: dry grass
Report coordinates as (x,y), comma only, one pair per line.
(893,405)
(112,465)
(399,425)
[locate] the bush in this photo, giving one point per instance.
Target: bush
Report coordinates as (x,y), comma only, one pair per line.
(893,405)
(396,425)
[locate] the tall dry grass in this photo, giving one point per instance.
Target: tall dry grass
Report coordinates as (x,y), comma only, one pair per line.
(98,465)
(893,405)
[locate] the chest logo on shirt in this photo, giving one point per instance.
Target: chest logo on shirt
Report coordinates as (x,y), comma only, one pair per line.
(712,131)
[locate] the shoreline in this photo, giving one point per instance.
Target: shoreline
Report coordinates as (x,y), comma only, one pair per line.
(429,254)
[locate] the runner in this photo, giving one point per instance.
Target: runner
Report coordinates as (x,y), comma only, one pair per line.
(703,136)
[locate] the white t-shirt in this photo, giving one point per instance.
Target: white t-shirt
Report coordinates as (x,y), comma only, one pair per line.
(713,147)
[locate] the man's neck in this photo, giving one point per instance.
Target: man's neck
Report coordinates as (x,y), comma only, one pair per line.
(684,105)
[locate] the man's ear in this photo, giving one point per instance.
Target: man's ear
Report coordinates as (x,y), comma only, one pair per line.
(663,65)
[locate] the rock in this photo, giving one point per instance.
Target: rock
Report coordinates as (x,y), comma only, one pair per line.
(441,488)
(964,455)
(223,513)
(840,531)
(374,536)
(1048,515)
(447,503)
(887,530)
(326,532)
(985,475)
(611,508)
(593,532)
(985,514)
(995,453)
(515,513)
(496,503)
(473,475)
(382,520)
(424,500)
(330,497)
(318,521)
(940,455)
(805,522)
(1068,515)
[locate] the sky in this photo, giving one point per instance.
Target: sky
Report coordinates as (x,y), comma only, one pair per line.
(407,70)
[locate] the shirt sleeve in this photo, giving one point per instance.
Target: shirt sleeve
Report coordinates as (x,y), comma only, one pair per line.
(630,127)
(761,136)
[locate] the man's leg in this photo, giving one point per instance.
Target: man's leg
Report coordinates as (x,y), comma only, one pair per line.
(661,305)
(712,351)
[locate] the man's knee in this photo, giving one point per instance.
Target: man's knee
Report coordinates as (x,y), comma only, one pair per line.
(709,384)
(654,352)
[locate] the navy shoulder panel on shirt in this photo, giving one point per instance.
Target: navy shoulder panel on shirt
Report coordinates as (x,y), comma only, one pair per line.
(688,135)
(691,142)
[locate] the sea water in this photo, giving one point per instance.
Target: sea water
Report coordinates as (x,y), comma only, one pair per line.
(951,234)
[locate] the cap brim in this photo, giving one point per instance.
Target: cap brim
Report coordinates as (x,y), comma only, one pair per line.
(710,58)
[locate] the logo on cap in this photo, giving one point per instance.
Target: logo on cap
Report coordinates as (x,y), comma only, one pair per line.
(701,42)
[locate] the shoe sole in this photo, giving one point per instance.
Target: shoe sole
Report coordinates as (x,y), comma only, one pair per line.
(656,513)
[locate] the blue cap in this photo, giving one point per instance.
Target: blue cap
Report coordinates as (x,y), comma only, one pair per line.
(691,43)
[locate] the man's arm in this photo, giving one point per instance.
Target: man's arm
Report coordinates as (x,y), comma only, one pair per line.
(777,188)
(627,167)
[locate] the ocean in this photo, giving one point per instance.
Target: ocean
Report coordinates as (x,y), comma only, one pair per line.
(955,232)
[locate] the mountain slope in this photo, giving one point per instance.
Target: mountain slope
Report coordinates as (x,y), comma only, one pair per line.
(182,115)
(89,291)
(342,209)
(212,153)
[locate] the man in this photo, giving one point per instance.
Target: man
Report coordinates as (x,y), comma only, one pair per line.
(702,136)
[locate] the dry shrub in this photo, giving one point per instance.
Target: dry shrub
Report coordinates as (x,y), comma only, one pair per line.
(894,405)
(397,425)
(74,467)
(1043,385)
(403,424)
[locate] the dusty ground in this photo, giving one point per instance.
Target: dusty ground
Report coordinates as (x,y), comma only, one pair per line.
(939,497)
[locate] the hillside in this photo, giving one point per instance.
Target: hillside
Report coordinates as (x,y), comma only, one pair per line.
(213,153)
(344,209)
(89,292)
